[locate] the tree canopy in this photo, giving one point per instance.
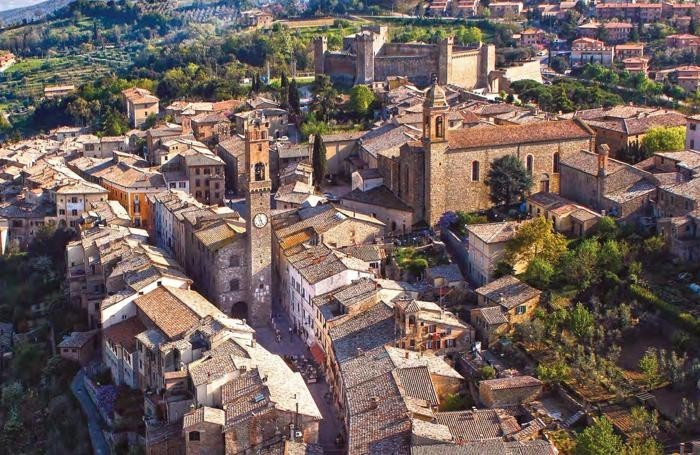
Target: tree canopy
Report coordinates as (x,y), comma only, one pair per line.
(508,180)
(361,99)
(536,239)
(664,139)
(599,439)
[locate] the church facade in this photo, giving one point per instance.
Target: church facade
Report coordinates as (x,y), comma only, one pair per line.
(369,57)
(447,170)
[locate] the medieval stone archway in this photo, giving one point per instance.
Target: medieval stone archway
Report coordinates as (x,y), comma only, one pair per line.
(239,310)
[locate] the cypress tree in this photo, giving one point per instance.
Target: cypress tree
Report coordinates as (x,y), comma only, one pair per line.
(294,102)
(319,160)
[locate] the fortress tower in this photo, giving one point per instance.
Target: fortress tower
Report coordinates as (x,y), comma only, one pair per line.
(364,45)
(320,48)
(445,60)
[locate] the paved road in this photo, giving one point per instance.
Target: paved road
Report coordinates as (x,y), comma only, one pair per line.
(99,444)
(330,425)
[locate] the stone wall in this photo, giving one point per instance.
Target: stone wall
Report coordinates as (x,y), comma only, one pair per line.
(340,67)
(225,272)
(466,69)
(417,69)
(506,397)
(211,440)
(455,190)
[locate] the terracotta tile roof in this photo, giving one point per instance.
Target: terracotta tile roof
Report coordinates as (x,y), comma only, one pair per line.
(434,432)
(365,396)
(363,332)
(173,310)
(492,315)
(587,162)
(478,424)
(366,253)
(508,292)
(217,234)
(77,339)
(124,333)
(380,196)
(203,414)
(416,383)
(515,382)
(689,159)
(382,430)
(494,232)
(494,446)
(689,189)
(209,369)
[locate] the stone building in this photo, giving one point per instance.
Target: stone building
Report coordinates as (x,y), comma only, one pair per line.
(567,217)
(509,391)
(503,303)
(607,185)
(198,172)
(447,170)
(369,57)
(140,104)
(623,127)
(425,326)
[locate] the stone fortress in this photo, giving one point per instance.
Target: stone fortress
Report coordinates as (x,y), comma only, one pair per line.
(368,57)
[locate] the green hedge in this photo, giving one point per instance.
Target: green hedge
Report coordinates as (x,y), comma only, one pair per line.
(685,320)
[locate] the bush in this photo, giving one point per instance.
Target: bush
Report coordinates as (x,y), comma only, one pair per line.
(686,321)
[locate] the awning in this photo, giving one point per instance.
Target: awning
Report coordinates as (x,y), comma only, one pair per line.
(318,354)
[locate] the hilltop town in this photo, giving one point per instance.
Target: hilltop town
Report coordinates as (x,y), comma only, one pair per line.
(304,228)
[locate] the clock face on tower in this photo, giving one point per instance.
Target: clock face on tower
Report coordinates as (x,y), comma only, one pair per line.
(260,220)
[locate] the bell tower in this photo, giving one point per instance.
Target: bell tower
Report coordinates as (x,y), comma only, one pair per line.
(435,146)
(259,232)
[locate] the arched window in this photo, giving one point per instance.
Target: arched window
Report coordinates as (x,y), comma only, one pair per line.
(259,172)
(530,163)
(475,171)
(555,162)
(439,128)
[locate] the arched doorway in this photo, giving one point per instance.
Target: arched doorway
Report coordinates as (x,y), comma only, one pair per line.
(544,183)
(240,310)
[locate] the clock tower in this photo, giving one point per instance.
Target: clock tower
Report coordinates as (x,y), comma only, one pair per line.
(259,232)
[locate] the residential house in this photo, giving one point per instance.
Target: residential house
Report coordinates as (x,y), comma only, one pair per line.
(636,65)
(79,347)
(590,50)
(614,32)
(425,326)
(683,41)
(503,10)
(198,172)
(278,119)
(140,104)
(502,304)
(130,185)
(566,216)
(487,243)
(692,133)
(622,127)
(232,152)
(212,127)
(381,203)
(256,18)
(688,77)
(636,12)
(339,147)
(607,185)
(629,50)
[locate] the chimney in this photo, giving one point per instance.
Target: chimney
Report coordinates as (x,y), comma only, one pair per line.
(603,153)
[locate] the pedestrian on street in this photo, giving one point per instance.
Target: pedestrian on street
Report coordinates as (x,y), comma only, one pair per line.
(291,331)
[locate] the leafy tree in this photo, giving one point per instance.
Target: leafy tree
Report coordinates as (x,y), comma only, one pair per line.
(487,372)
(649,364)
(599,439)
(508,180)
(580,265)
(536,239)
(607,227)
(150,122)
(559,64)
(79,109)
(553,372)
(293,98)
(643,447)
(611,256)
(581,321)
(325,100)
(361,99)
(664,139)
(319,160)
(644,424)
(539,273)
(5,124)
